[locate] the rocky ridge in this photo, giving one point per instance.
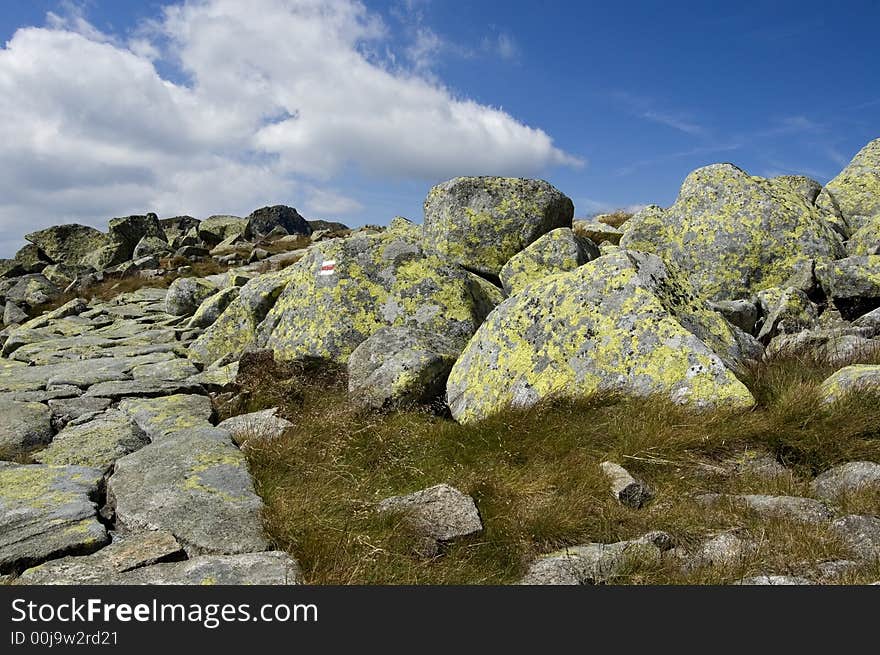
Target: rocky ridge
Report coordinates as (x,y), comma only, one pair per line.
(116,470)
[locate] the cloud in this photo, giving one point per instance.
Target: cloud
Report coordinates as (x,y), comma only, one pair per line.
(256,103)
(646,108)
(502,45)
(675,122)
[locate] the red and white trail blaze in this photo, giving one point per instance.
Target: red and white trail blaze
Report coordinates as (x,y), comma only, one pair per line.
(328,267)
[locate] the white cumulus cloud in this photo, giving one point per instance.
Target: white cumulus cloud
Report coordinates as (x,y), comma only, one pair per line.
(223,106)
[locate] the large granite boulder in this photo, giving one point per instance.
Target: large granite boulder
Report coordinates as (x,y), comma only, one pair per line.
(857,188)
(186,294)
(734,233)
(481,222)
(218,228)
(70,244)
(342,291)
(47,511)
(262,221)
(557,251)
(853,284)
(123,235)
(624,323)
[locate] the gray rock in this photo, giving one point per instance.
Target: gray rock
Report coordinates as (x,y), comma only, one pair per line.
(212,307)
(725,550)
(24,427)
(97,443)
(256,425)
(215,229)
(152,247)
(66,410)
(398,367)
(861,534)
(481,222)
(624,487)
(47,512)
(846,479)
(169,370)
(853,284)
(734,233)
(68,244)
(870,320)
(785,311)
(266,568)
(624,323)
(833,346)
(441,513)
(145,388)
(123,235)
(194,485)
(169,416)
(857,187)
(263,221)
(125,553)
(13,315)
(32,290)
(741,313)
(853,379)
(792,508)
(595,563)
(557,251)
(597,232)
(186,294)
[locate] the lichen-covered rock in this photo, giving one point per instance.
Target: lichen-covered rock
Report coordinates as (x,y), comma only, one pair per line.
(215,229)
(398,367)
(596,563)
(741,313)
(857,187)
(734,233)
(852,283)
(344,290)
(47,511)
(846,479)
(186,294)
(168,416)
(481,222)
(70,244)
(169,370)
(785,311)
(851,379)
(96,444)
(32,290)
(195,485)
(30,259)
(13,314)
(805,187)
(597,232)
(212,307)
(265,568)
(151,246)
(124,553)
(623,323)
(865,240)
(724,550)
(24,427)
(262,221)
(123,235)
(65,410)
(861,534)
(557,251)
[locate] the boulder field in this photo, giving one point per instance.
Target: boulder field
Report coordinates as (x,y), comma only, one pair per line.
(115,470)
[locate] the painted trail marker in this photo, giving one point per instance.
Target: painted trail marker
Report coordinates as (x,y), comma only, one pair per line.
(328,267)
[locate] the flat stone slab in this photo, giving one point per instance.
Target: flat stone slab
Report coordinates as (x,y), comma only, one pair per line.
(104,369)
(265,568)
(97,443)
(68,409)
(194,485)
(124,553)
(24,427)
(169,415)
(173,369)
(52,393)
(790,508)
(46,512)
(141,389)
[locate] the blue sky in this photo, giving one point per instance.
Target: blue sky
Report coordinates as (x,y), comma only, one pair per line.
(351,111)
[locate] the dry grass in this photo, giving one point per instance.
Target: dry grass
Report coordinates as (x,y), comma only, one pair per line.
(615,218)
(535,479)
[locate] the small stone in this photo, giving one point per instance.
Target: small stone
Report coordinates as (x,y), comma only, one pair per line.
(97,443)
(725,549)
(775,580)
(24,427)
(624,487)
(441,513)
(256,425)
